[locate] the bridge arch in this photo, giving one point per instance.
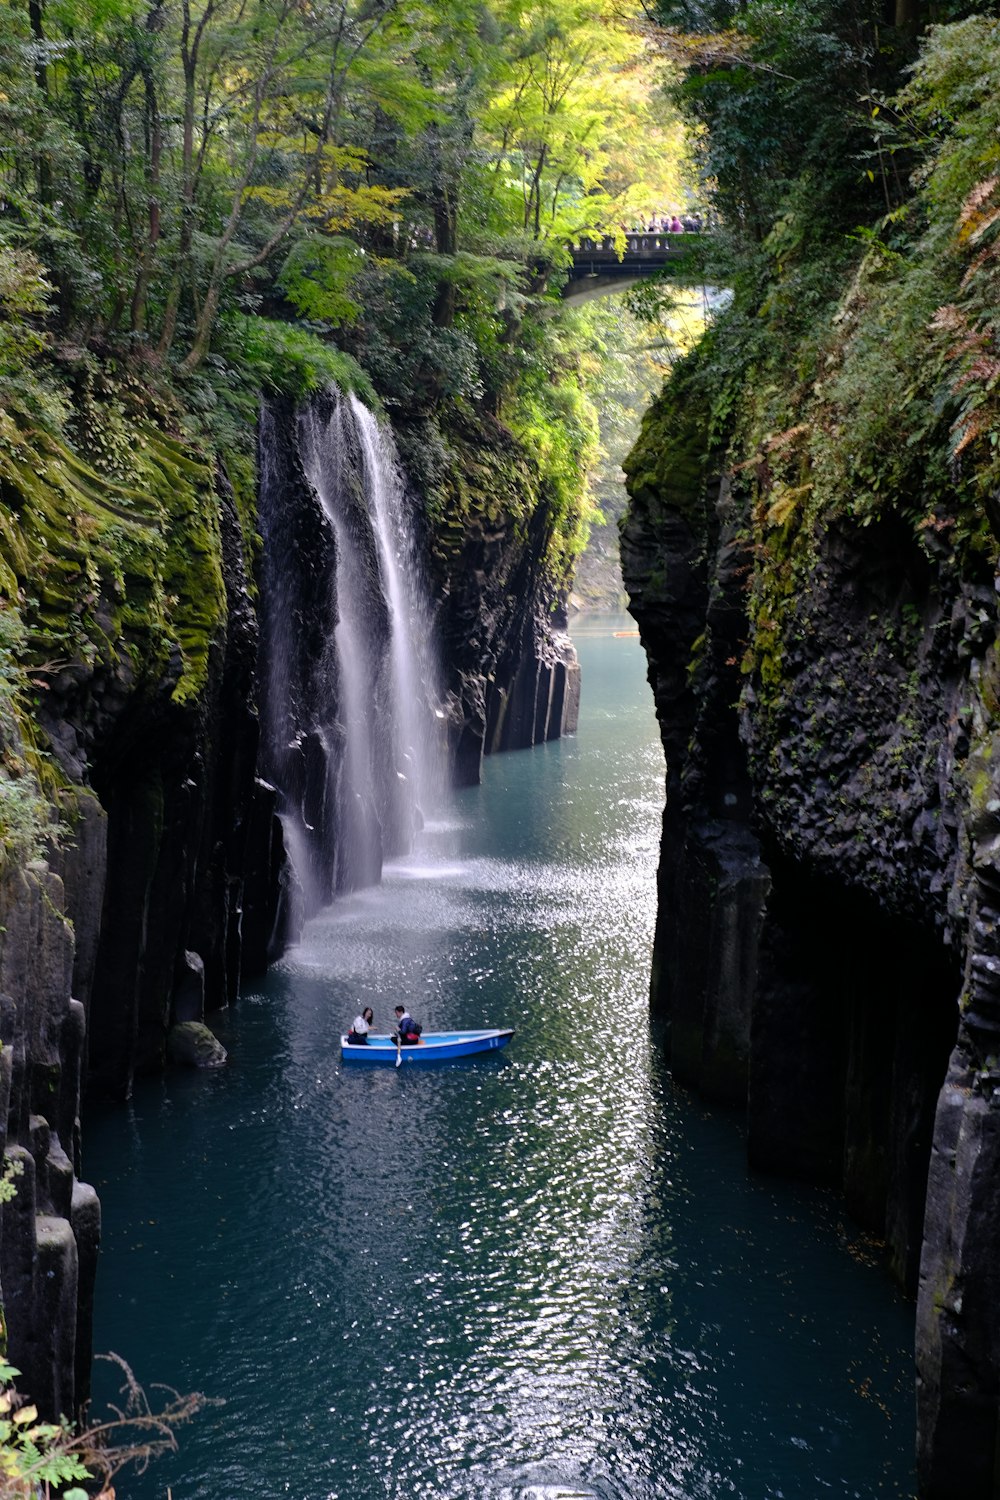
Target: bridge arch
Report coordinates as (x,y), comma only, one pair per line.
(598,270)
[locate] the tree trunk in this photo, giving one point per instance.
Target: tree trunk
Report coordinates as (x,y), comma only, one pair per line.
(446,243)
(155,129)
(37,22)
(907,18)
(203,329)
(189,56)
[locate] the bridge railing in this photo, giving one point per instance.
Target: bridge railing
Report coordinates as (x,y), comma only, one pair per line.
(646,242)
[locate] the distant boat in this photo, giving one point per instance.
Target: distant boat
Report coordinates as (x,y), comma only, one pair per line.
(434,1046)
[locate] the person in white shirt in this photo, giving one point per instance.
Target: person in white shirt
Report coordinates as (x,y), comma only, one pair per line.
(358,1034)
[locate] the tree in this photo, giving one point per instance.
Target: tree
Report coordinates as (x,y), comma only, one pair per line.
(579,137)
(280,76)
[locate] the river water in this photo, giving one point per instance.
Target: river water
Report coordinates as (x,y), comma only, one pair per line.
(538,1274)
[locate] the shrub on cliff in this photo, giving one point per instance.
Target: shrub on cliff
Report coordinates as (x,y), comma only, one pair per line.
(25,814)
(290,361)
(854,378)
(39,1459)
(859,232)
(952,102)
(36,1460)
(24,301)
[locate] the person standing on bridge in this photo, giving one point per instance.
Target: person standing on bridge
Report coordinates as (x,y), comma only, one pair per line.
(676,227)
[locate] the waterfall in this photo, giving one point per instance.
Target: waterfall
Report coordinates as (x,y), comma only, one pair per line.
(352,731)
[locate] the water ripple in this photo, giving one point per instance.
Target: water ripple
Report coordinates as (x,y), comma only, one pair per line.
(543,1275)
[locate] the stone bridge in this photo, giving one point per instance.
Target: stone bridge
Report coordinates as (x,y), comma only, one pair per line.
(598,270)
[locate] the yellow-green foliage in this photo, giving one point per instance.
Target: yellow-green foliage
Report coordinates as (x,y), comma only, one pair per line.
(36,1458)
(109,572)
(557,426)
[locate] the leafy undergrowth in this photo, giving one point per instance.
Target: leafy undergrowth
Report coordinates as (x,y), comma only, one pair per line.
(49,1461)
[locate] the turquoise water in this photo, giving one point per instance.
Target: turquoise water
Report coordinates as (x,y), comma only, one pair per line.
(538,1274)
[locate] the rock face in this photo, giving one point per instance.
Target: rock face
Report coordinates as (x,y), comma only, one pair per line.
(511,671)
(828,944)
(50,1228)
(142,635)
(191,844)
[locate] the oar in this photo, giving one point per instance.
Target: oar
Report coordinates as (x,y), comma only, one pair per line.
(399,1049)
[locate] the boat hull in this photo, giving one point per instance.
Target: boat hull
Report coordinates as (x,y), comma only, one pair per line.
(434,1046)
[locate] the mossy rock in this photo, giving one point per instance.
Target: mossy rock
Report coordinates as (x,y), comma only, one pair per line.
(191,1044)
(667,466)
(145,557)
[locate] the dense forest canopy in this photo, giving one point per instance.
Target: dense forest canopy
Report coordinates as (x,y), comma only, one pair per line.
(167,168)
(205,200)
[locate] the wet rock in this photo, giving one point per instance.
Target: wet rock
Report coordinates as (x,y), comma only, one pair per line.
(191,1044)
(189,988)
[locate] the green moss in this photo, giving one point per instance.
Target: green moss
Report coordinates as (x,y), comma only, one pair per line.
(666,468)
(112,572)
(241,471)
(474,474)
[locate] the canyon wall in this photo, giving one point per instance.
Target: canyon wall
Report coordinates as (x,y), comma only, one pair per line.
(511,674)
(828,948)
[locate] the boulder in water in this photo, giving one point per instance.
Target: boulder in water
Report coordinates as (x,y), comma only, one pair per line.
(191,1044)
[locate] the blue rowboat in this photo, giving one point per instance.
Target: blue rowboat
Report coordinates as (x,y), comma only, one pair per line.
(434,1046)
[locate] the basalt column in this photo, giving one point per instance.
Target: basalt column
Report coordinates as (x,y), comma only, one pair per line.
(50,1224)
(509,668)
(958,1310)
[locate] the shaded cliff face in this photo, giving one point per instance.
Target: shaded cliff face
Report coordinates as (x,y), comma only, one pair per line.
(510,670)
(827,941)
(155,712)
(50,1228)
(141,654)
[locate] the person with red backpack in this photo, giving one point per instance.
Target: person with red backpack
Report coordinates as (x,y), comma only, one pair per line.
(408,1030)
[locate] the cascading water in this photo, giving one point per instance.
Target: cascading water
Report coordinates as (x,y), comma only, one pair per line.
(414,671)
(352,729)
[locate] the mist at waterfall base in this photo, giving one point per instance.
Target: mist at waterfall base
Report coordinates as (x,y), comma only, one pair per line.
(538,1274)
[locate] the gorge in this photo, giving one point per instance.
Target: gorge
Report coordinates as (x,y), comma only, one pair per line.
(541,1272)
(295,437)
